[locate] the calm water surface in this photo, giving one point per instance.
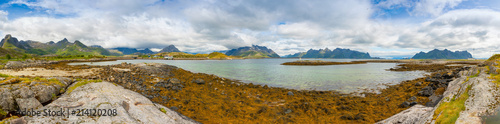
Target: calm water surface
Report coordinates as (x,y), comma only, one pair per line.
(344,78)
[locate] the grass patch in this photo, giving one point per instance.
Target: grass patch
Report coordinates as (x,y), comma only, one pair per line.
(4,75)
(163,110)
(81,83)
(448,112)
(54,96)
(475,75)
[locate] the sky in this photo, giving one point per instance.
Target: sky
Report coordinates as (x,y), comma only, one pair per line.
(384,28)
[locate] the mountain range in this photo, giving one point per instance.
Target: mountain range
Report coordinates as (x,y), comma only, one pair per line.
(442,54)
(128,51)
(63,47)
(253,51)
(337,53)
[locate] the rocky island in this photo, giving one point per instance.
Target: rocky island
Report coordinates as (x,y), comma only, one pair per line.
(320,62)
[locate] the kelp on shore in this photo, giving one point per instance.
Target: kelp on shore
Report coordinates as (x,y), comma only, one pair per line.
(220,100)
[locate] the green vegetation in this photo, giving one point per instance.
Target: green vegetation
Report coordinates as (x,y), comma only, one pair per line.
(81,83)
(2,112)
(448,112)
(494,57)
(8,57)
(163,110)
(254,54)
(4,75)
(37,51)
(475,75)
(54,96)
(218,55)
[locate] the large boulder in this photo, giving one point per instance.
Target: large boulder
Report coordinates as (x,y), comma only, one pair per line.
(7,102)
(130,107)
(426,91)
(17,95)
(28,103)
(411,115)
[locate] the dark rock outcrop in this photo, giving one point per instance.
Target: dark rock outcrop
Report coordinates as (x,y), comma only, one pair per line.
(444,54)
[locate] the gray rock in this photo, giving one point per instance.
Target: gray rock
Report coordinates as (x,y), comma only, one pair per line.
(413,98)
(426,91)
(418,83)
(131,107)
(24,92)
(482,95)
(493,69)
(413,103)
(174,108)
(44,93)
(171,84)
(434,100)
(288,111)
(404,104)
(290,93)
(28,103)
(7,102)
(174,81)
(198,81)
(411,115)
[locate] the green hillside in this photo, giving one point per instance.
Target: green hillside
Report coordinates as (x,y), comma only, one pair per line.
(10,45)
(253,51)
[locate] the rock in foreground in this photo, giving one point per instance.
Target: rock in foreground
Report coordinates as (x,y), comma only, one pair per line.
(130,107)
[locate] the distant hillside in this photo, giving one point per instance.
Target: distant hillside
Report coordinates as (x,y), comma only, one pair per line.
(253,52)
(338,53)
(442,54)
(63,47)
(128,51)
(170,48)
(9,42)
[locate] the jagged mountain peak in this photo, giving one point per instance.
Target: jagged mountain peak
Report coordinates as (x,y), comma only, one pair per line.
(170,48)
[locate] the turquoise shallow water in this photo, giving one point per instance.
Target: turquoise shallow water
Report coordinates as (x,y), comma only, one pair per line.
(344,78)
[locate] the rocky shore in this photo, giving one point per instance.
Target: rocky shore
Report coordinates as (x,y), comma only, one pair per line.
(211,99)
(473,94)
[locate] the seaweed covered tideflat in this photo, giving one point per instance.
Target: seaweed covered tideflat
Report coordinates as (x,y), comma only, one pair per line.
(211,99)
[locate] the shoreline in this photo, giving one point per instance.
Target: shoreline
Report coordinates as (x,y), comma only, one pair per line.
(191,91)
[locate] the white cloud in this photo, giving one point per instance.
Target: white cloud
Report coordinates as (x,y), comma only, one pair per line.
(285,26)
(3,16)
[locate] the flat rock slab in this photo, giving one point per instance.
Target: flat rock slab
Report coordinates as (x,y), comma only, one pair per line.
(409,116)
(129,106)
